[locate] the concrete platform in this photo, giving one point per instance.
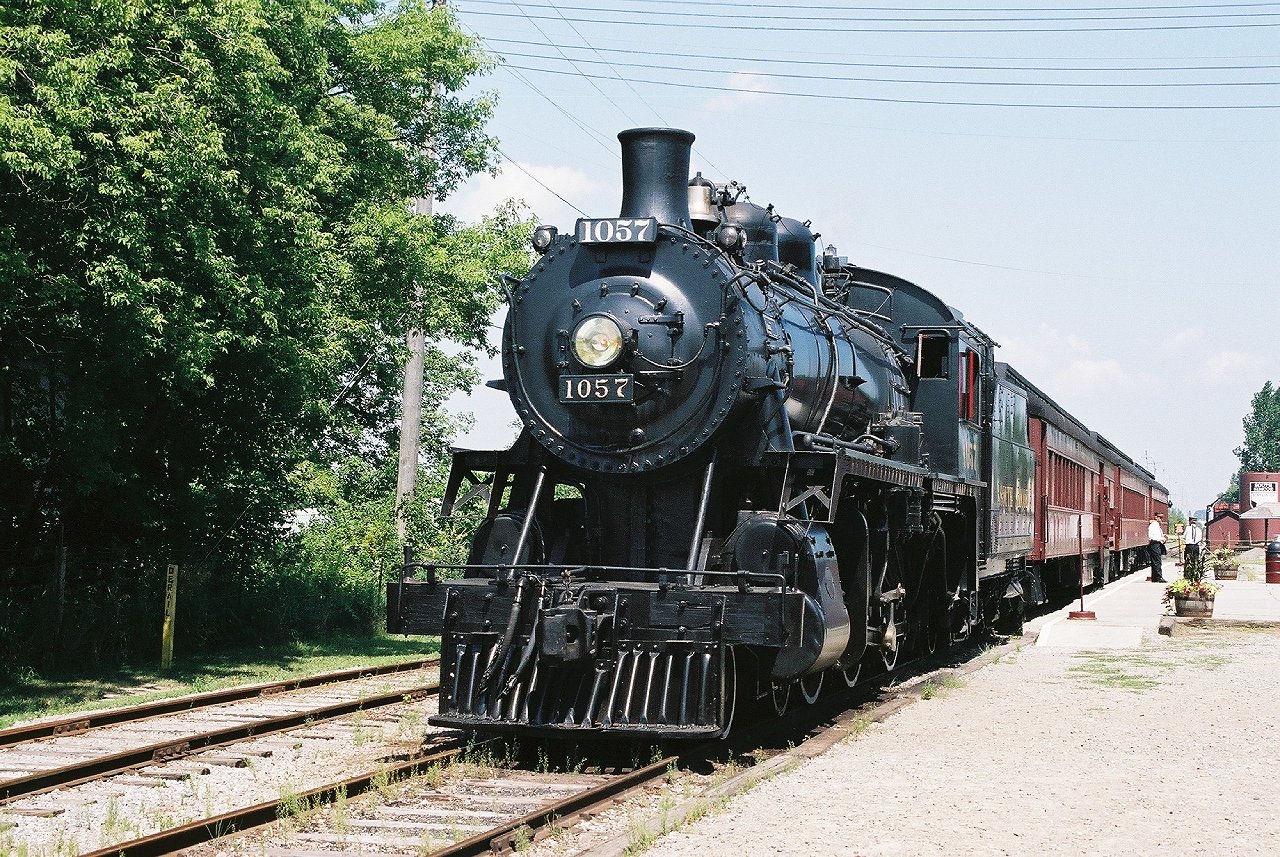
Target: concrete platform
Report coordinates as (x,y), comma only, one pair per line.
(1131,608)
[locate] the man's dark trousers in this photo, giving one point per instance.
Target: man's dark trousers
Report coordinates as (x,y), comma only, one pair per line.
(1155,552)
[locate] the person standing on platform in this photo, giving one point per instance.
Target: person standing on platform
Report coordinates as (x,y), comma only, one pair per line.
(1155,549)
(1192,538)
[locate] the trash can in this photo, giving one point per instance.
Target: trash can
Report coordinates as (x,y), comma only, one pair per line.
(1273,560)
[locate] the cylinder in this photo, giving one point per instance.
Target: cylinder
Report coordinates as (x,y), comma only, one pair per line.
(1273,560)
(655,174)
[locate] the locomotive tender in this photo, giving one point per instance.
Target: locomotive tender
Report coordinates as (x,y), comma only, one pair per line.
(744,467)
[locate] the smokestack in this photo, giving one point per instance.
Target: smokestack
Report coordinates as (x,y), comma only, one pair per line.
(655,174)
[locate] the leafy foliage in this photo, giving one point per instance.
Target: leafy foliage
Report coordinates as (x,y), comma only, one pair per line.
(1261,449)
(1223,557)
(1186,587)
(209,263)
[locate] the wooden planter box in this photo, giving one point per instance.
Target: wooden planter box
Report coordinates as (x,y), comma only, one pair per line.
(1202,607)
(1225,572)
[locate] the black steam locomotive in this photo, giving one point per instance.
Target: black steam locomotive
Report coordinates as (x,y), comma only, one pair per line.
(746,467)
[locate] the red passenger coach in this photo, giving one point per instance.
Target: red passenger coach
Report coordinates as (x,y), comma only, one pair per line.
(1093,503)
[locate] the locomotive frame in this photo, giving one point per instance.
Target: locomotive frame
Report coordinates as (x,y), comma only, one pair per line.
(745,468)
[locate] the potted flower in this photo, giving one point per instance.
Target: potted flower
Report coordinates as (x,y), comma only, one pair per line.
(1191,596)
(1224,562)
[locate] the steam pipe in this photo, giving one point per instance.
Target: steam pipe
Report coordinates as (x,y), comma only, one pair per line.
(701,522)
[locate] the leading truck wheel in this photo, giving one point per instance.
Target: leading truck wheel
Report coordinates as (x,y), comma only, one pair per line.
(811,686)
(781,696)
(889,657)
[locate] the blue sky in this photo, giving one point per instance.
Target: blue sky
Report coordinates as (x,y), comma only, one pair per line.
(1118,241)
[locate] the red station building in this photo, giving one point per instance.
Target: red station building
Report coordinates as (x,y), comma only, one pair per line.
(1255,519)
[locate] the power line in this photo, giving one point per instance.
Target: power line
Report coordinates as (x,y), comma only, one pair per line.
(848,79)
(940,132)
(591,47)
(1102,277)
(590,132)
(571,62)
(845,7)
(586,129)
(617,76)
(817,30)
(974,19)
(921,66)
(928,101)
(521,168)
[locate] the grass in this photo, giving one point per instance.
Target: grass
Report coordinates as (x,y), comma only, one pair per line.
(1133,671)
(933,689)
(28,695)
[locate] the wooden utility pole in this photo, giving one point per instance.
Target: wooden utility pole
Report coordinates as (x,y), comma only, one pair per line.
(411,395)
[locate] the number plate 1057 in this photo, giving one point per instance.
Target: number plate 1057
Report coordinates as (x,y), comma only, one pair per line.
(617,230)
(596,388)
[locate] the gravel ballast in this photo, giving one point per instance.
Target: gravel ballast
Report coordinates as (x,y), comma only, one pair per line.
(1172,747)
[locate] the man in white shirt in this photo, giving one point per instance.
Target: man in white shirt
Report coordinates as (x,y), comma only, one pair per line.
(1155,549)
(1192,537)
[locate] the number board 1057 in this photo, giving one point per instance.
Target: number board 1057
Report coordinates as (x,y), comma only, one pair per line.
(596,389)
(617,230)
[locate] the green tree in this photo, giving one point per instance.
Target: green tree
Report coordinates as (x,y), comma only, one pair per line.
(1261,449)
(207,264)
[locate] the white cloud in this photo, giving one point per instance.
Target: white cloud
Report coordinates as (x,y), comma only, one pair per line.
(482,193)
(1064,366)
(1227,367)
(751,89)
(1183,340)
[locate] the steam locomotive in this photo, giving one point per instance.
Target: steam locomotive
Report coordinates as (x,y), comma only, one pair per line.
(746,468)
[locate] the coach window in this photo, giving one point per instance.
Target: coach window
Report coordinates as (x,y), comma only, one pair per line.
(931,355)
(969,385)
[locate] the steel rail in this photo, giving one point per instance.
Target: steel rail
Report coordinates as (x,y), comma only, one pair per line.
(92,769)
(503,835)
(259,815)
(86,720)
(240,820)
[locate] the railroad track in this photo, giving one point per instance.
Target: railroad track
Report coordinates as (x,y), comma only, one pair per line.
(423,802)
(62,753)
(513,805)
(429,804)
(84,721)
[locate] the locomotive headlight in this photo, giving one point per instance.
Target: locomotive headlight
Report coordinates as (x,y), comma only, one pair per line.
(729,237)
(542,238)
(598,341)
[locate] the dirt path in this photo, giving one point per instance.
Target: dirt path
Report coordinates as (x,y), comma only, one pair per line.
(1170,748)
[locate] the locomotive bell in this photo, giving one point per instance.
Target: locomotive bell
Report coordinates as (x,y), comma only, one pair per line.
(701,209)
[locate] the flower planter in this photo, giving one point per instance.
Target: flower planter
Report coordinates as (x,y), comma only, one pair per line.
(1225,572)
(1192,606)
